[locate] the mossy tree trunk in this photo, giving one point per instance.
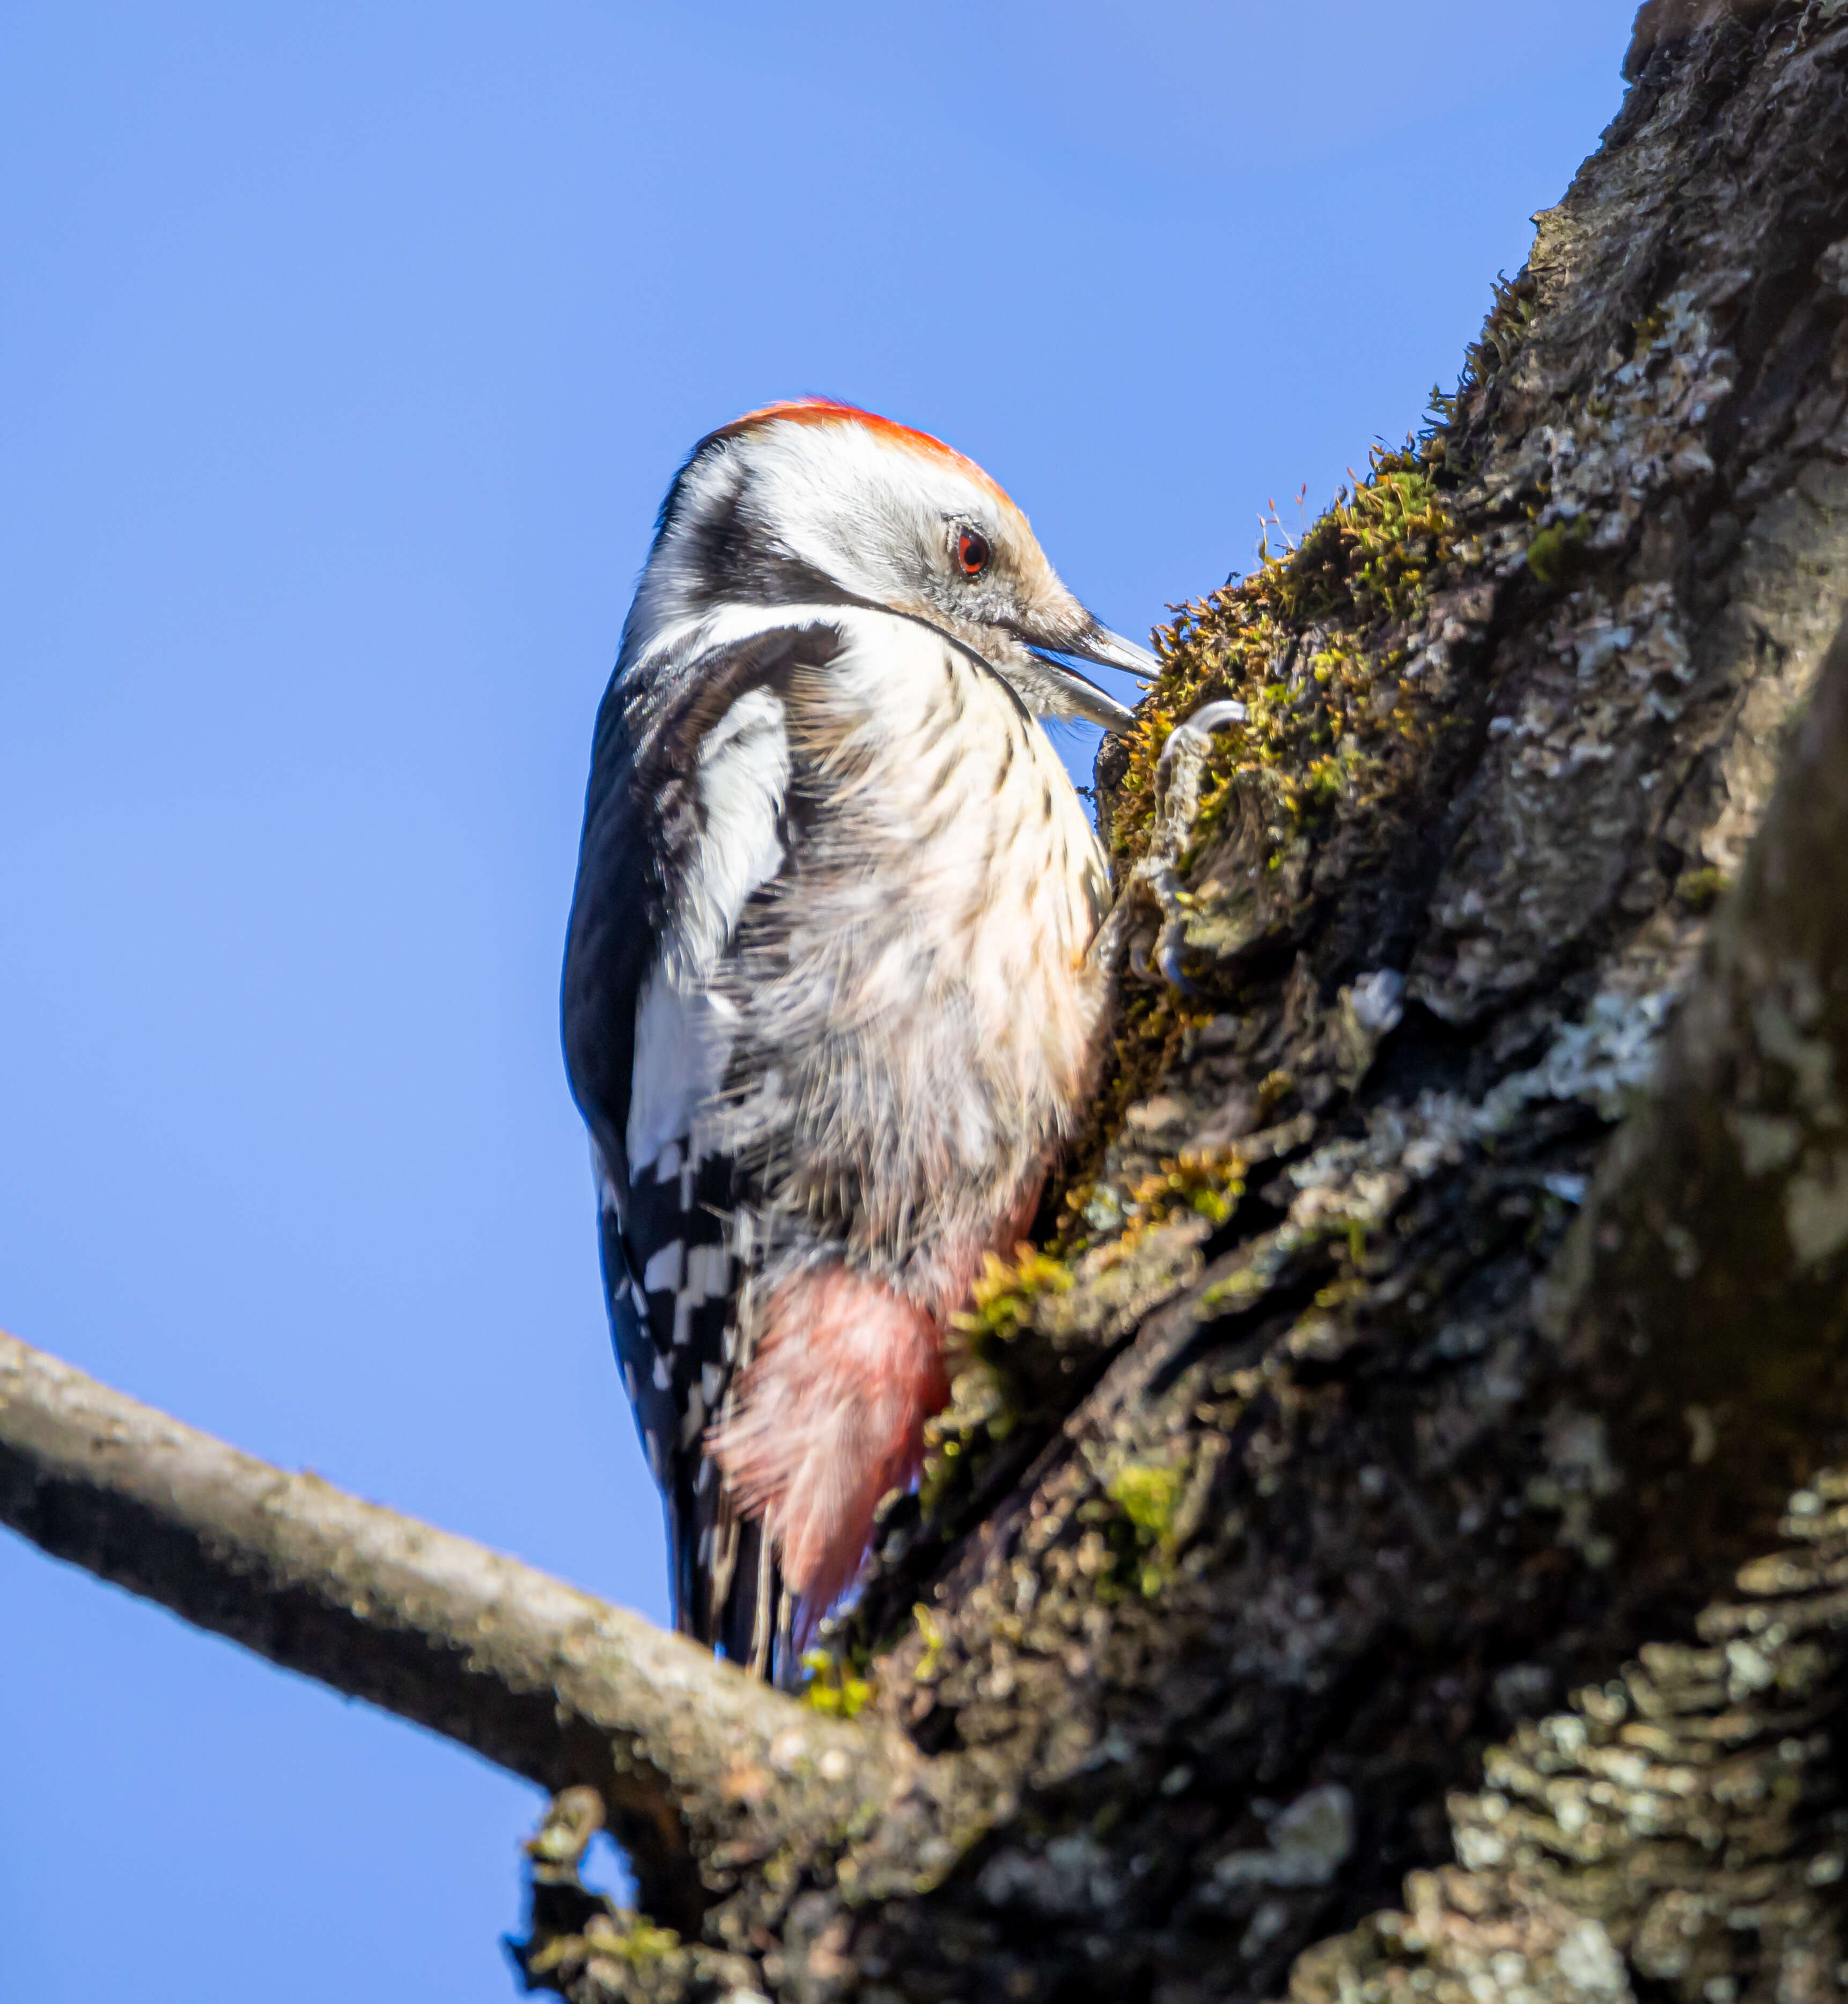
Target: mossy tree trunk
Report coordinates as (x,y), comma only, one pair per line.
(1365,1402)
(1388,1540)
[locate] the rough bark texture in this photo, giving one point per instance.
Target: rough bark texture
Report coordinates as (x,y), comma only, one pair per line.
(515,1665)
(1352,1485)
(1375,1460)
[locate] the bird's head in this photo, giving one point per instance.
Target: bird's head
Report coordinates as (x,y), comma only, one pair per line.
(816,503)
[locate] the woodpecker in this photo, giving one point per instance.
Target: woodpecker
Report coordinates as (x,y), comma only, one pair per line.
(828,1005)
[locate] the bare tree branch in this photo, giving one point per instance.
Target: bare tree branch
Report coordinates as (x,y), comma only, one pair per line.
(513,1664)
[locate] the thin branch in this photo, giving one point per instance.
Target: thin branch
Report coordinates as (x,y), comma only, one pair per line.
(696,1761)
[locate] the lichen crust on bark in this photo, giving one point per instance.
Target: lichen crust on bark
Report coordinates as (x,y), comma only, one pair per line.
(1513,710)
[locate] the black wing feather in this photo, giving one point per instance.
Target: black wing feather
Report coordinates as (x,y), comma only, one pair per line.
(671,1310)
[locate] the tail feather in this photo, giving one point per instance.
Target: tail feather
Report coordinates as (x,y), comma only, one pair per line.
(729,1592)
(822,1413)
(743,1609)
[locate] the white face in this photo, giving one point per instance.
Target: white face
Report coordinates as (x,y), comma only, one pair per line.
(803,509)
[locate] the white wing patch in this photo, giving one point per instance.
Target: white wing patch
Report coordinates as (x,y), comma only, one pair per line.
(743,773)
(683,1036)
(680,1046)
(666,1269)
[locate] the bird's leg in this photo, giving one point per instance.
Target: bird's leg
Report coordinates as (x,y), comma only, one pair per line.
(1153,880)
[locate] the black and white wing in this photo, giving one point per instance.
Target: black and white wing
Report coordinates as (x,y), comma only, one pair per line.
(684,823)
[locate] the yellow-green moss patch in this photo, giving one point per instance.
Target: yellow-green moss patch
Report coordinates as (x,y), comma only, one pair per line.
(833,1688)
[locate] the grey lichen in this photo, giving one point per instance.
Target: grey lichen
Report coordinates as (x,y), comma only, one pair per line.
(1321,1433)
(1511,712)
(1685,1821)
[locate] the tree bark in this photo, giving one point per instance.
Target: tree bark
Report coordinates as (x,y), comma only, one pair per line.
(1379,1391)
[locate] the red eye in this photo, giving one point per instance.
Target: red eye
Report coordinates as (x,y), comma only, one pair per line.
(972,552)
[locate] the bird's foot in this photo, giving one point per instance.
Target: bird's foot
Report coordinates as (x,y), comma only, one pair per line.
(1154,880)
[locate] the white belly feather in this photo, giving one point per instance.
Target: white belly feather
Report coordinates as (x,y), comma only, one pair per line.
(893,1032)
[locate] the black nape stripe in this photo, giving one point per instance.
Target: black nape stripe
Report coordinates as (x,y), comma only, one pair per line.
(737,563)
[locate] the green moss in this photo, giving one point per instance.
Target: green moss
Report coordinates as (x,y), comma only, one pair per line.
(1552,554)
(931,1630)
(1207,1182)
(833,1689)
(1315,643)
(1148,1497)
(1141,1523)
(978,1417)
(1698,890)
(622,1936)
(1369,559)
(1003,1296)
(989,1393)
(1015,1372)
(1503,333)
(1235,1291)
(644,1942)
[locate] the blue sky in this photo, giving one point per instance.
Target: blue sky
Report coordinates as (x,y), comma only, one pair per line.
(347,351)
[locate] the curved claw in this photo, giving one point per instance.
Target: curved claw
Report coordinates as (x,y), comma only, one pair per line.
(1177,803)
(1168,957)
(1204,722)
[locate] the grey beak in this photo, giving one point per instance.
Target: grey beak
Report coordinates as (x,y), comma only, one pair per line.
(1108,649)
(1111,650)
